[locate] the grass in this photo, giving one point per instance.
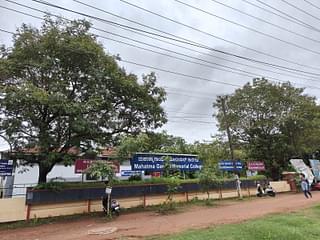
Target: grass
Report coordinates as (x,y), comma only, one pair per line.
(299,225)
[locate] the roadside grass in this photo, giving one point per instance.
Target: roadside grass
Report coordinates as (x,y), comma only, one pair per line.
(303,224)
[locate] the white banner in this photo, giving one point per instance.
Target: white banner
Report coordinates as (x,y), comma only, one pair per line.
(301,167)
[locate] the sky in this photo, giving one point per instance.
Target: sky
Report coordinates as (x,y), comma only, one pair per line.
(271,32)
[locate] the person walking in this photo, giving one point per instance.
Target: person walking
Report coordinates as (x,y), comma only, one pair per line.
(305,186)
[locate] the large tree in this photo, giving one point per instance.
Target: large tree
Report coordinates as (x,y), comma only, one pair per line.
(60,90)
(274,122)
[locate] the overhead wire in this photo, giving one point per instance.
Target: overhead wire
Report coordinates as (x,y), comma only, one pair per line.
(300,9)
(204,32)
(286,14)
(312,4)
(267,22)
(304,76)
(181,39)
(254,74)
(241,25)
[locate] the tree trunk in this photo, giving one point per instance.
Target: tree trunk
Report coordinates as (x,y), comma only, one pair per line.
(43,172)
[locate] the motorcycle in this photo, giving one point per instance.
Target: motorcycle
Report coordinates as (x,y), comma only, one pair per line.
(266,191)
(114,206)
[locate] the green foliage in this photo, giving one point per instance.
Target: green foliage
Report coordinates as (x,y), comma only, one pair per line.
(135,178)
(101,169)
(207,178)
(60,91)
(173,186)
(272,122)
(54,186)
(150,142)
(166,166)
(167,208)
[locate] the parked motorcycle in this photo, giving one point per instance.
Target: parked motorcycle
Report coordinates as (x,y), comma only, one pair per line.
(114,206)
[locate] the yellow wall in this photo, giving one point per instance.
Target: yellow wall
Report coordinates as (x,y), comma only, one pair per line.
(14,209)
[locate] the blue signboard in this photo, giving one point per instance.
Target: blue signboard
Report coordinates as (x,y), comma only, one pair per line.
(230,165)
(155,162)
(6,167)
(128,173)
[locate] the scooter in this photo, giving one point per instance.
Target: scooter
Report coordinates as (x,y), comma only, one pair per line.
(267,191)
(114,206)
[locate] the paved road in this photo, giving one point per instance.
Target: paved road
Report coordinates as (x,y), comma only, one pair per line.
(138,225)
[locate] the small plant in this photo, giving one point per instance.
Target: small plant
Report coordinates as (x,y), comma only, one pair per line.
(173,186)
(167,207)
(135,178)
(207,178)
(101,169)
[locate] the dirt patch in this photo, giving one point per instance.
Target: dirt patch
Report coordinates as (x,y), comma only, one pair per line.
(139,225)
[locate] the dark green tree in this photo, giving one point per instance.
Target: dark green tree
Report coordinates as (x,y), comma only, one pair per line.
(150,142)
(271,121)
(59,90)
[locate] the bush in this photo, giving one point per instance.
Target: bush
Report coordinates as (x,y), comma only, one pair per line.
(135,178)
(54,186)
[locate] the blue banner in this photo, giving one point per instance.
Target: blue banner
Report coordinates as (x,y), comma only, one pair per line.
(230,165)
(6,167)
(155,162)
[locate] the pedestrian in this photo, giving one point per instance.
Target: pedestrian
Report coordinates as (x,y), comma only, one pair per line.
(305,186)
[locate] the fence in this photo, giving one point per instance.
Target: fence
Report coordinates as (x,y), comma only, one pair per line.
(17,190)
(14,209)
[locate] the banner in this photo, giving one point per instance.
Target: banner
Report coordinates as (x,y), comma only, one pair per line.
(6,167)
(81,165)
(315,165)
(301,167)
(230,165)
(155,162)
(256,166)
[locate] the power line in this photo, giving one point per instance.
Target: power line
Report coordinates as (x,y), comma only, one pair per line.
(245,73)
(267,22)
(243,26)
(180,74)
(167,71)
(212,35)
(298,22)
(267,70)
(300,9)
(181,39)
(312,4)
(286,14)
(2,30)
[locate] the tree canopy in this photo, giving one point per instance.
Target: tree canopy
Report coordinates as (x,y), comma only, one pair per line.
(273,122)
(60,90)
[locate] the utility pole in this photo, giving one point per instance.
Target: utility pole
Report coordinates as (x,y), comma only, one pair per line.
(222,99)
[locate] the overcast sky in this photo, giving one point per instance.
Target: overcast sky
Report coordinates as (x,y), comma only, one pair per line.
(189,101)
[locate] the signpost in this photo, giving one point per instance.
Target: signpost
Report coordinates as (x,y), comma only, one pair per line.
(154,162)
(6,167)
(230,165)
